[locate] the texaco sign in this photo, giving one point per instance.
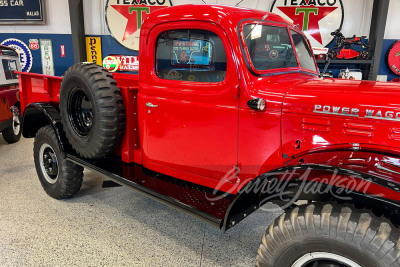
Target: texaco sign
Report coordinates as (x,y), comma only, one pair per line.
(124,18)
(317,18)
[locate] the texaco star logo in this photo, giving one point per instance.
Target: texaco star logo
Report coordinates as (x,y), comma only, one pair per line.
(125,17)
(317,18)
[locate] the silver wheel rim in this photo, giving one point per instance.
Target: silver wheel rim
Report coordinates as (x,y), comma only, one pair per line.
(44,149)
(16,125)
(315,256)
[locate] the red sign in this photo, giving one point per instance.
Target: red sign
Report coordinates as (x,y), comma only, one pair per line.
(394,58)
(62,48)
(34,44)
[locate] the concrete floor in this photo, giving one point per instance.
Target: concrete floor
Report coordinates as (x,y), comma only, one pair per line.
(107,227)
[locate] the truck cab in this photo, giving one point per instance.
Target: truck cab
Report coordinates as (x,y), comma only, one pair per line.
(9,94)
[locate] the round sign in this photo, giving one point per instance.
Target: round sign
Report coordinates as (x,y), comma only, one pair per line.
(317,19)
(394,58)
(110,63)
(125,17)
(25,55)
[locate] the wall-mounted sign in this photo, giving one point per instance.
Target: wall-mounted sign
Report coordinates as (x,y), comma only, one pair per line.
(93,50)
(394,58)
(121,63)
(62,50)
(34,44)
(316,18)
(22,12)
(46,50)
(25,55)
(124,18)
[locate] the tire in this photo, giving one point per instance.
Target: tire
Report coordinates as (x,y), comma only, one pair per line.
(12,134)
(59,177)
(326,234)
(92,110)
(332,54)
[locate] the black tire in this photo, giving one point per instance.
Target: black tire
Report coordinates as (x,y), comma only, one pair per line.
(64,179)
(92,110)
(12,134)
(332,54)
(325,231)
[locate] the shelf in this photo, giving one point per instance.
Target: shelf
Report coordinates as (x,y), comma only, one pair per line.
(346,61)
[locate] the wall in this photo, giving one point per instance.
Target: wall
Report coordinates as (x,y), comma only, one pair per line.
(57,28)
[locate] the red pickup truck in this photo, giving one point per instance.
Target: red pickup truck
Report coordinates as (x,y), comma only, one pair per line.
(9,95)
(228,113)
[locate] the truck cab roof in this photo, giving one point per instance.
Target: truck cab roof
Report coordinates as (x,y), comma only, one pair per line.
(219,14)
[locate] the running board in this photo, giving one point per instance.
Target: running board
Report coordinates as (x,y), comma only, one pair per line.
(188,197)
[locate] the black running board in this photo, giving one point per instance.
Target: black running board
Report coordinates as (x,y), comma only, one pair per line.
(187,197)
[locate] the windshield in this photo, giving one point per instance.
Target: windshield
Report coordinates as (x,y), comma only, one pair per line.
(270,47)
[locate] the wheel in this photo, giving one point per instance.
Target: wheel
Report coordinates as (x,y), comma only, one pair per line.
(329,235)
(59,177)
(92,110)
(13,133)
(363,55)
(332,54)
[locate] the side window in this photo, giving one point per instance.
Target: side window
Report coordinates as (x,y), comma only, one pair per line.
(190,55)
(304,53)
(10,67)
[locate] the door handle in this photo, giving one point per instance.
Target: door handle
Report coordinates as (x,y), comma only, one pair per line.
(150,105)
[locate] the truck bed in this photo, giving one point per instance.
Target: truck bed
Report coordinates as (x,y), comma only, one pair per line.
(36,88)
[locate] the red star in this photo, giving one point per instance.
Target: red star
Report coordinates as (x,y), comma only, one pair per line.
(297,14)
(132,24)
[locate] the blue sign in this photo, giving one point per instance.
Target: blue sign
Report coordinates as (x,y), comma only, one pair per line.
(20,11)
(25,55)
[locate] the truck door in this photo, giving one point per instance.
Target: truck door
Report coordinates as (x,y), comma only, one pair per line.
(190,101)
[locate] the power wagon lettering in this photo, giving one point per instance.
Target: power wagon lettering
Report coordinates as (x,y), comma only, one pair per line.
(355,112)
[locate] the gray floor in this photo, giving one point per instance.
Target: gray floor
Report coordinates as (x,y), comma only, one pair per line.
(107,227)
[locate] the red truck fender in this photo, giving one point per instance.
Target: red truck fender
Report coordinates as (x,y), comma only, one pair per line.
(38,115)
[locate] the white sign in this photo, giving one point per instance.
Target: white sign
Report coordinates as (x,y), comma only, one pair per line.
(46,50)
(124,18)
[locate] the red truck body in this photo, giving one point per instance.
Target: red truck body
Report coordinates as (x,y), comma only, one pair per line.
(206,134)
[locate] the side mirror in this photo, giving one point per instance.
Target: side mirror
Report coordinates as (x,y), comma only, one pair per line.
(258,104)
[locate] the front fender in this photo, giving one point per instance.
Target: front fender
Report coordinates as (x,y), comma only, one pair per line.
(38,115)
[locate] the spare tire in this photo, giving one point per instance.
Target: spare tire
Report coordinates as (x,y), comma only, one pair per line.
(92,110)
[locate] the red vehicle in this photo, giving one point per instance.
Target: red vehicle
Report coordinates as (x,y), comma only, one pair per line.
(228,113)
(342,48)
(9,95)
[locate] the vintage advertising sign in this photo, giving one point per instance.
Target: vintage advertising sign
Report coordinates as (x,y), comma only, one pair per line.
(394,58)
(121,63)
(34,44)
(46,50)
(21,11)
(93,50)
(25,55)
(317,18)
(125,17)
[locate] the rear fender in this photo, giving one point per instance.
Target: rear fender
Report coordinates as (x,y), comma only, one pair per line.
(38,115)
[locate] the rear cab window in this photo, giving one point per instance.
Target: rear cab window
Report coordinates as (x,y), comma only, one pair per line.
(191,55)
(275,48)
